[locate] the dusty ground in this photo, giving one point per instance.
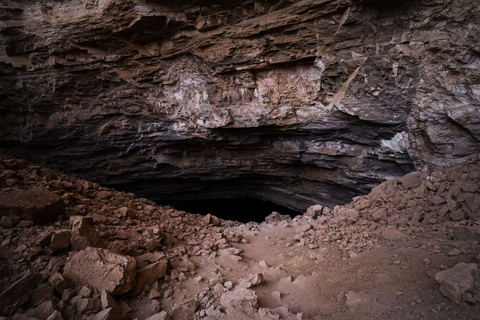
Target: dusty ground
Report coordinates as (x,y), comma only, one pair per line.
(375,258)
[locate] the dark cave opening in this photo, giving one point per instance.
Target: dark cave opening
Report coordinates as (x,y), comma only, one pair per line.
(237,209)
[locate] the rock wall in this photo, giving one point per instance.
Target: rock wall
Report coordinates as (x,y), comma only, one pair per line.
(294,102)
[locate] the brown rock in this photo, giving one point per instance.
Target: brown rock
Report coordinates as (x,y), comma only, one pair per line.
(60,240)
(83,234)
(358,301)
(37,204)
(109,302)
(393,234)
(314,211)
(149,274)
(88,304)
(102,270)
(107,314)
(19,291)
(240,298)
(454,282)
(43,311)
(58,282)
(380,215)
(457,215)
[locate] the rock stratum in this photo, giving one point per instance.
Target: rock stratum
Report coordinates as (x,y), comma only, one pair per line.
(295,102)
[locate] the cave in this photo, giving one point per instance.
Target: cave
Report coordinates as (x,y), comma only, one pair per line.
(143,144)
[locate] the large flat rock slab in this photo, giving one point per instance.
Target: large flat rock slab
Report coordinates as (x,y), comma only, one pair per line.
(102,269)
(37,204)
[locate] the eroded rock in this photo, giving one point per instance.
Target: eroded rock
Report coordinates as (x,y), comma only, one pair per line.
(102,270)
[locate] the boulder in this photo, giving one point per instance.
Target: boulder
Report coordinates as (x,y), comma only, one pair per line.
(83,234)
(149,274)
(456,281)
(101,269)
(37,204)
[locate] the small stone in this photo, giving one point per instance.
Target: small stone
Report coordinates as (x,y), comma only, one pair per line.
(56,315)
(454,252)
(60,240)
(159,316)
(154,294)
(468,297)
(68,294)
(83,234)
(240,298)
(393,234)
(150,274)
(314,211)
(85,292)
(58,282)
(109,302)
(43,311)
(357,301)
(88,304)
(427,261)
(454,282)
(228,285)
(107,314)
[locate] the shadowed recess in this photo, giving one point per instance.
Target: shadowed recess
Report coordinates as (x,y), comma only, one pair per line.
(237,209)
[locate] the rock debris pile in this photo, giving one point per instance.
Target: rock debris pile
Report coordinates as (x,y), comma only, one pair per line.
(71,249)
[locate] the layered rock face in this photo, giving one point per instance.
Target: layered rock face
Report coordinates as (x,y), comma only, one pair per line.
(294,102)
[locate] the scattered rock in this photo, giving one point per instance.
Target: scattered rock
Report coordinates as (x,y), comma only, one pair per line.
(456,281)
(83,234)
(60,240)
(37,204)
(393,234)
(358,301)
(159,316)
(241,298)
(19,292)
(150,274)
(102,270)
(314,211)
(107,314)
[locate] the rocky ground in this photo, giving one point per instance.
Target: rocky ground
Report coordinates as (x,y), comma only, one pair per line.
(71,249)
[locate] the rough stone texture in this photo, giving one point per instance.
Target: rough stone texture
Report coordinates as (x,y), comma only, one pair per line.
(454,282)
(60,240)
(83,234)
(102,270)
(18,292)
(150,274)
(36,204)
(295,102)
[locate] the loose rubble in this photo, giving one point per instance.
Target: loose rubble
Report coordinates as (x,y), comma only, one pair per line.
(399,252)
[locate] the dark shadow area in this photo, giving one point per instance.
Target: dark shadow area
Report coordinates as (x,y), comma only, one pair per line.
(238,209)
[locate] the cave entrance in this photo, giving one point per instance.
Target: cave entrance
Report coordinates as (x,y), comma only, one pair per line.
(237,209)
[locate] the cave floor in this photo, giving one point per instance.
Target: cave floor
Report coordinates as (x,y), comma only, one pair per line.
(190,266)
